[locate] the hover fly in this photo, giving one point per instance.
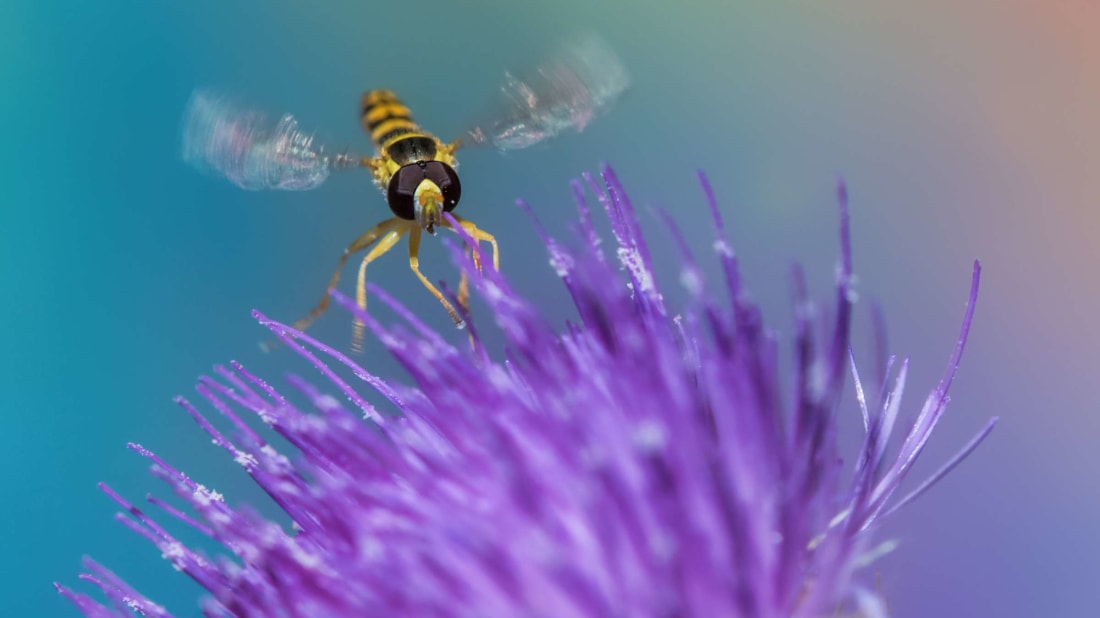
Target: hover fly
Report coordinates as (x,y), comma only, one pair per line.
(414,169)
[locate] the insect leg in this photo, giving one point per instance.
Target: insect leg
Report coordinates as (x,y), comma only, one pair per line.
(481,235)
(384,244)
(377,169)
(414,264)
(463,294)
(358,245)
(449,149)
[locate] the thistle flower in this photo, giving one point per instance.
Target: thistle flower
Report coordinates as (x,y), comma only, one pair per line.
(639,463)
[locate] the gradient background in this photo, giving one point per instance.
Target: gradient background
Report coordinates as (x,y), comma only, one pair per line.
(965,129)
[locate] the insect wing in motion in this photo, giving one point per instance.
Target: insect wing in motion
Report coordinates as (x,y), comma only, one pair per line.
(580,81)
(250,150)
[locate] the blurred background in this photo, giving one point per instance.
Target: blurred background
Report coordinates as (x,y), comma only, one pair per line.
(965,130)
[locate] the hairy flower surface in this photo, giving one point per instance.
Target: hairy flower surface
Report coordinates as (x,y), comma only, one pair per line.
(638,463)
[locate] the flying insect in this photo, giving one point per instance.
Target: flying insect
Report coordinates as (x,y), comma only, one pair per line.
(413,168)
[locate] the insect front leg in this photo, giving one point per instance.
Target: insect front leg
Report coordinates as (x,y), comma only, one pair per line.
(356,246)
(479,236)
(414,264)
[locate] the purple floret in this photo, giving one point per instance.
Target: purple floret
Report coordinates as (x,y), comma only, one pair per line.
(641,462)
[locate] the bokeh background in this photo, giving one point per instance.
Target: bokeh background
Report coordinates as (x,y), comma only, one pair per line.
(964,129)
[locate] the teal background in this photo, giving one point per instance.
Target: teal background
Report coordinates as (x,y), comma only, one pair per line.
(964,129)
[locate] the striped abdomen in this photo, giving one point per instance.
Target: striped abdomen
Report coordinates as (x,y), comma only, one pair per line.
(386,119)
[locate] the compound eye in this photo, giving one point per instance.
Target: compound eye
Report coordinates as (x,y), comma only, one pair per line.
(446,179)
(402,190)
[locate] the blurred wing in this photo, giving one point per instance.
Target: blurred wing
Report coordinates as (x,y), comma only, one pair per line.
(254,153)
(566,91)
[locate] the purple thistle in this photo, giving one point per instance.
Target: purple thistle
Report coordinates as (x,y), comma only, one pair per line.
(639,464)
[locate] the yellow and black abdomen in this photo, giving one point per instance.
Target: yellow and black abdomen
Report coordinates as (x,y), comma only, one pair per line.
(385,117)
(392,130)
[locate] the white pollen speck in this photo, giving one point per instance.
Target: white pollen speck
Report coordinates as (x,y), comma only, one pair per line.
(174,553)
(327,403)
(723,248)
(632,261)
(650,435)
(246,459)
(561,262)
(692,282)
(265,415)
(205,496)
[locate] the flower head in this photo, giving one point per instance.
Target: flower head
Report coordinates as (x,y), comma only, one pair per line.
(638,463)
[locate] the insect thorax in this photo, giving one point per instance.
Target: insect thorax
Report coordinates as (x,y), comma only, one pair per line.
(405,150)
